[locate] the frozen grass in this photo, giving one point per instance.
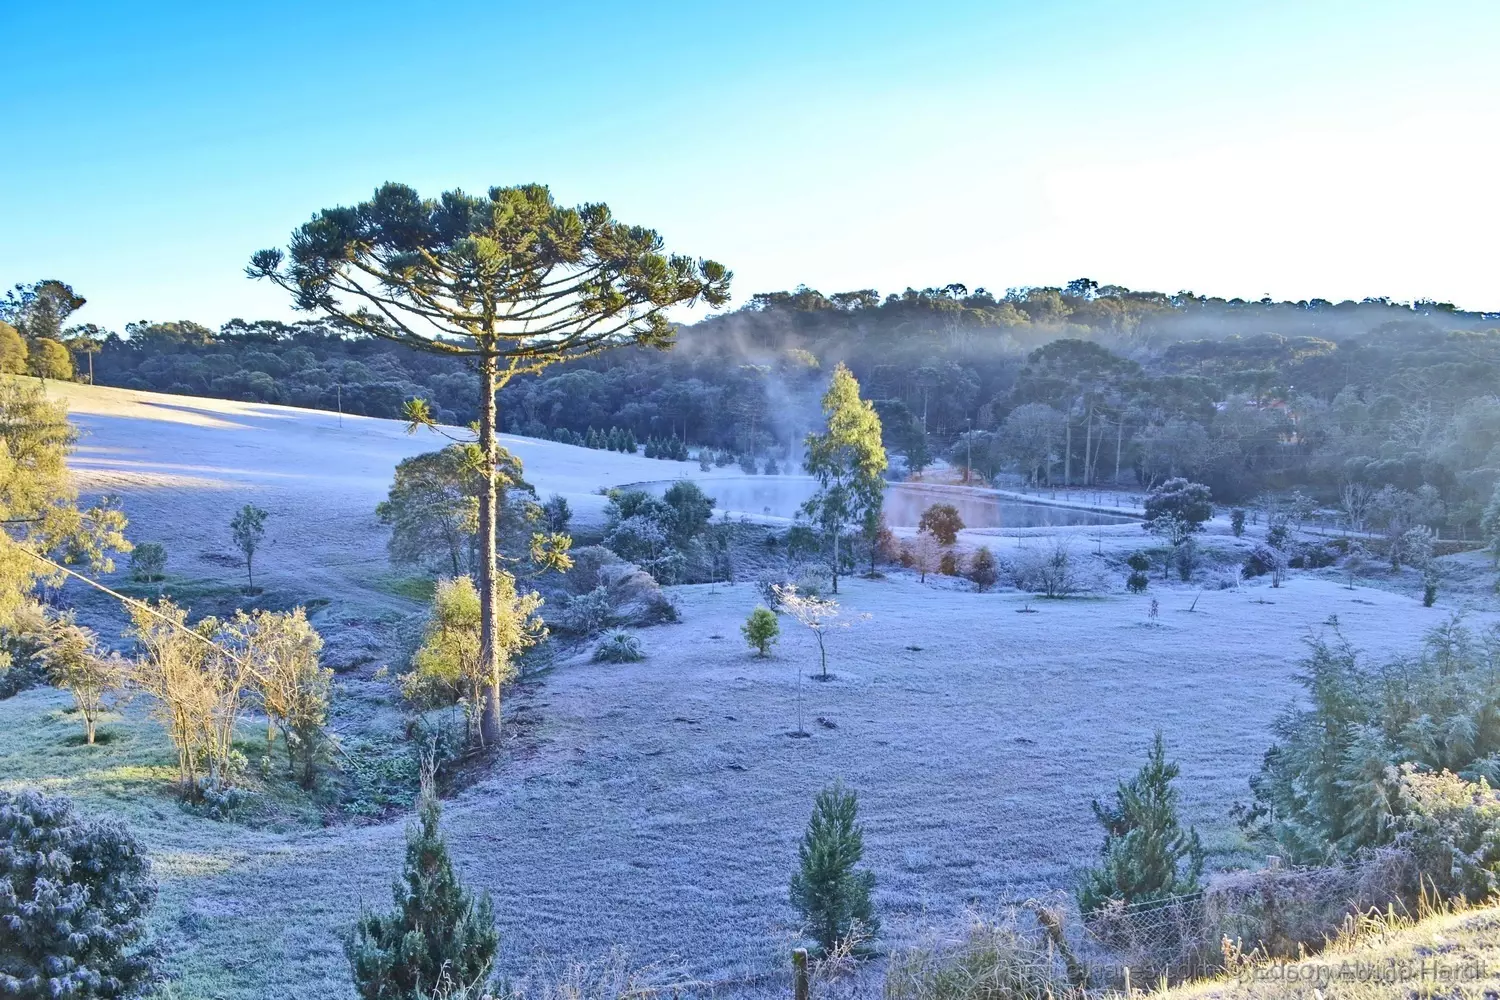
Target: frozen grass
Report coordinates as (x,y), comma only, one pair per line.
(655,806)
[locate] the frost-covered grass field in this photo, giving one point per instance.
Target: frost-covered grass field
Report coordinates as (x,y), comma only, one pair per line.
(656,806)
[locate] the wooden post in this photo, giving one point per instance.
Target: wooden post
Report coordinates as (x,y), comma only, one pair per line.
(1128,991)
(799,974)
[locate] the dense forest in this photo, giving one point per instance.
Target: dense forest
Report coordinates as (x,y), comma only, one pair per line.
(1078,385)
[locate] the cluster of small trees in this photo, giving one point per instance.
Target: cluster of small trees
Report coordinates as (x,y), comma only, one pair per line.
(673,448)
(615,439)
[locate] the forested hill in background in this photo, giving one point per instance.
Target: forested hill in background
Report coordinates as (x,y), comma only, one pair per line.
(1084,384)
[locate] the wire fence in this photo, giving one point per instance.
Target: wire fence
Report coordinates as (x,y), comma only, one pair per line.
(1277,912)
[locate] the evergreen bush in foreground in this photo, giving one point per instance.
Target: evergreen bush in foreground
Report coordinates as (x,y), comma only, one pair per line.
(438,941)
(830,893)
(74,898)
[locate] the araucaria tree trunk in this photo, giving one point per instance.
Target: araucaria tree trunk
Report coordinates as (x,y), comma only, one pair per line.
(489,546)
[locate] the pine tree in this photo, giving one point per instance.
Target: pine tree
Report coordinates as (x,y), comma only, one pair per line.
(1147,854)
(439,941)
(761,630)
(833,896)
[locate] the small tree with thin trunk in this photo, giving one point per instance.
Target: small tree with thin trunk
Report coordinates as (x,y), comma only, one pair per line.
(248,528)
(294,688)
(849,463)
(510,280)
(926,554)
(77,664)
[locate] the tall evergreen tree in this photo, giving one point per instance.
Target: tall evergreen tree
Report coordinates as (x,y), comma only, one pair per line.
(831,894)
(849,463)
(512,281)
(1147,854)
(439,941)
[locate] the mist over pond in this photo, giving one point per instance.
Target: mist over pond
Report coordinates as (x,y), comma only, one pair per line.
(782,496)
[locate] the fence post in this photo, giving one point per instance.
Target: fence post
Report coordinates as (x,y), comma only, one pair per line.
(1128,990)
(799,973)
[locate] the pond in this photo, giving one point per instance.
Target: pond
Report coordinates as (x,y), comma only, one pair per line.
(781,496)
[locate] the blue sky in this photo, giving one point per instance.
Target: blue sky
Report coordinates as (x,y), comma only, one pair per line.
(1296,149)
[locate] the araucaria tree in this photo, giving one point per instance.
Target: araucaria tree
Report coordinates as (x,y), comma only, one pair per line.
(849,463)
(830,893)
(438,942)
(512,281)
(75,898)
(248,527)
(1147,853)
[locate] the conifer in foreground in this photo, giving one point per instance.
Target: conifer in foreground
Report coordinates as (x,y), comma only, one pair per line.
(438,941)
(830,893)
(1147,854)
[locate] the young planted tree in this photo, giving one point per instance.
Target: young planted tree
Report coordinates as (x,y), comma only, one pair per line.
(432,508)
(248,527)
(818,615)
(849,463)
(832,894)
(761,631)
(197,684)
(75,903)
(439,941)
(510,280)
(1146,854)
(926,554)
(983,572)
(77,664)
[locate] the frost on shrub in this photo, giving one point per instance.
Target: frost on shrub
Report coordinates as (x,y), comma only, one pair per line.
(21,645)
(1452,826)
(586,613)
(587,564)
(619,647)
(75,896)
(1052,571)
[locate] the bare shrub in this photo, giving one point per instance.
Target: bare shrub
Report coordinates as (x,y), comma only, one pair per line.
(1053,571)
(996,958)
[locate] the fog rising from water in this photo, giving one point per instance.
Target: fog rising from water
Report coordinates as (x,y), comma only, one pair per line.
(781,496)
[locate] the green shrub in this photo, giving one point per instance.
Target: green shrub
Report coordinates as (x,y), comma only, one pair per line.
(1237,521)
(1138,561)
(761,631)
(830,893)
(74,900)
(148,562)
(1452,827)
(438,941)
(619,647)
(1137,582)
(1146,854)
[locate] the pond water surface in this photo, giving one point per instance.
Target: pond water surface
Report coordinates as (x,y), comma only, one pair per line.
(781,496)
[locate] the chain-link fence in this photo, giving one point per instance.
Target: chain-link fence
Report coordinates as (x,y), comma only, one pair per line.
(1277,912)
